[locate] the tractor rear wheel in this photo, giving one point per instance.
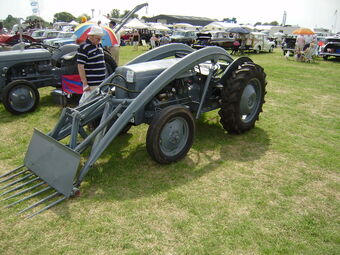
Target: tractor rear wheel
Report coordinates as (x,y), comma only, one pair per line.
(170,134)
(20,96)
(242,98)
(109,63)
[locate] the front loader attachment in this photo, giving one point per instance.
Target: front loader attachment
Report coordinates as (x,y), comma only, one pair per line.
(52,162)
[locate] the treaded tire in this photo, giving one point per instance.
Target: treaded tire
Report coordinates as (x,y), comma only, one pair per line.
(20,96)
(242,98)
(111,65)
(170,134)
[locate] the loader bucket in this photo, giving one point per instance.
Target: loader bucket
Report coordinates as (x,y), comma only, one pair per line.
(53,162)
(47,164)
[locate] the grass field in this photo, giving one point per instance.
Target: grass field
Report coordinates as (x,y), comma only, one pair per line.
(273,190)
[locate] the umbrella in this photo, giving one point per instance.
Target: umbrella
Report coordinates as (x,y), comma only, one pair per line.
(239,30)
(109,38)
(303,31)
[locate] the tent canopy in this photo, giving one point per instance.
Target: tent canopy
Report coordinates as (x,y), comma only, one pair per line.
(219,26)
(136,24)
(102,19)
(158,26)
(183,26)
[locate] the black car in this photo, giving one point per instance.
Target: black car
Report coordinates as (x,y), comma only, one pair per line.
(331,48)
(288,45)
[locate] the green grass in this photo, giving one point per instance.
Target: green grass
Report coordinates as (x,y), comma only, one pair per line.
(273,190)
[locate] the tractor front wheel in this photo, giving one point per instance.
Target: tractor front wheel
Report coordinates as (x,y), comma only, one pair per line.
(242,98)
(170,134)
(20,96)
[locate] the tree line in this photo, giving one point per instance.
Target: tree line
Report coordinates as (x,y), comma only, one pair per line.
(35,21)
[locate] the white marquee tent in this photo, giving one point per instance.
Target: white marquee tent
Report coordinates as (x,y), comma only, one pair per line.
(136,24)
(218,26)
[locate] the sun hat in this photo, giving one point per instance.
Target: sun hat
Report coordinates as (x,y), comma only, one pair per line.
(95,30)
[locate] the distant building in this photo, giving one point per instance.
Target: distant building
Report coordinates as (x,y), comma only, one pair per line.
(287,30)
(172,19)
(322,31)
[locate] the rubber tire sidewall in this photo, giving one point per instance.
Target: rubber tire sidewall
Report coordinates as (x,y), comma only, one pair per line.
(155,130)
(7,90)
(231,98)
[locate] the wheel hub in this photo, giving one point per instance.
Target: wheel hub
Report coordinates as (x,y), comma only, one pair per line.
(174,136)
(248,100)
(21,98)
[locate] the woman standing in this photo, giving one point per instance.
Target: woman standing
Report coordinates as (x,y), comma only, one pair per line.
(135,39)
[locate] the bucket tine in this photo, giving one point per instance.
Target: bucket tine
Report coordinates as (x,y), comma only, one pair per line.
(47,207)
(24,191)
(12,171)
(30,196)
(39,202)
(19,186)
(13,176)
(15,182)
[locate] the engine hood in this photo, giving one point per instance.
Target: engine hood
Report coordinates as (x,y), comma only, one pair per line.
(24,55)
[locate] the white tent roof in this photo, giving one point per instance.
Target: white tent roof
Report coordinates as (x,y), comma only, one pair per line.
(136,24)
(183,26)
(73,23)
(158,26)
(220,26)
(102,19)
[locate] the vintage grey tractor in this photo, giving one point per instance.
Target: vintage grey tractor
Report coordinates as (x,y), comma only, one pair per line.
(23,72)
(167,88)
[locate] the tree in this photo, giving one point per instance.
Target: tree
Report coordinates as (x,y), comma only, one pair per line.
(228,20)
(34,21)
(257,23)
(10,21)
(79,18)
(274,23)
(63,16)
(115,13)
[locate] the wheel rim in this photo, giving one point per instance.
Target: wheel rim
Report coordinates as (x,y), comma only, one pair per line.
(174,136)
(22,98)
(250,100)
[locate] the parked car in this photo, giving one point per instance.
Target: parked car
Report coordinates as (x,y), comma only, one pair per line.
(258,42)
(10,40)
(47,34)
(331,48)
(183,36)
(213,38)
(61,36)
(288,45)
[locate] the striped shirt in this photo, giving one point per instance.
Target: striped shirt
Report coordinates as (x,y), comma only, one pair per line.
(93,60)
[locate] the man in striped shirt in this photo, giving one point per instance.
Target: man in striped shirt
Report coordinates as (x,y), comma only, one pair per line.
(90,59)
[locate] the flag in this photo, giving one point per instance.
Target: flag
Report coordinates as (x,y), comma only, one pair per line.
(72,84)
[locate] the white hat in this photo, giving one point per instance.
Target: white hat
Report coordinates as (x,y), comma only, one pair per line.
(95,30)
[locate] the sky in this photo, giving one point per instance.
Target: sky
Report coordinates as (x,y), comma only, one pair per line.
(304,13)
